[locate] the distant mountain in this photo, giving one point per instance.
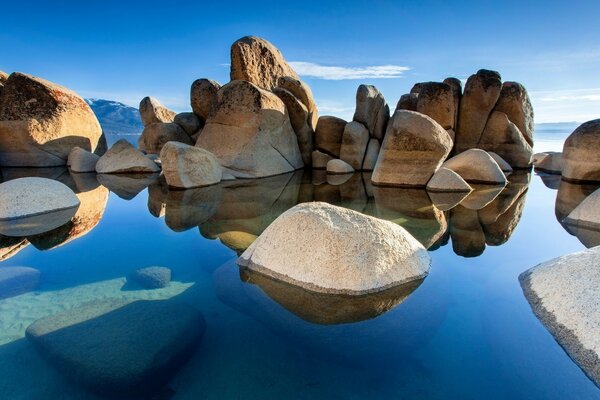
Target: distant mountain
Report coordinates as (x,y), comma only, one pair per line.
(117,119)
(555,130)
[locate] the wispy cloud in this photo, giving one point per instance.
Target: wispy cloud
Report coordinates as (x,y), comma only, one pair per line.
(337,73)
(592,95)
(566,105)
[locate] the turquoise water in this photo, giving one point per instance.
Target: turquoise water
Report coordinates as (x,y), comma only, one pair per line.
(465,332)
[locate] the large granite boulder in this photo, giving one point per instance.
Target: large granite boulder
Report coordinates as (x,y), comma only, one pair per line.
(203,97)
(303,93)
(29,206)
(259,62)
(436,100)
(371,110)
(189,122)
(355,140)
(157,134)
(478,100)
(476,166)
(122,157)
(250,133)
(328,135)
(330,249)
(504,138)
(299,118)
(18,280)
(563,294)
(580,153)
(81,160)
(152,111)
(446,180)
(40,122)
(413,149)
(118,347)
(187,166)
(514,102)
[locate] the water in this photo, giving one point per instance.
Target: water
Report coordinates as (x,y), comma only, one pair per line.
(465,332)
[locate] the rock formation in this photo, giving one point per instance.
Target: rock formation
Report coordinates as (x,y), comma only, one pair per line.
(156,134)
(476,166)
(372,110)
(203,97)
(580,153)
(188,166)
(81,160)
(152,111)
(122,157)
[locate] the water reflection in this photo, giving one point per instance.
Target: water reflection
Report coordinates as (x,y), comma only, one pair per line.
(126,186)
(568,197)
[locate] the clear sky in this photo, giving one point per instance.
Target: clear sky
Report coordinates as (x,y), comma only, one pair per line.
(125,50)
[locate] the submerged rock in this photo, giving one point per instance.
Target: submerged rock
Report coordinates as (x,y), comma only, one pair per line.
(330,249)
(122,157)
(580,153)
(563,294)
(188,166)
(29,206)
(18,280)
(476,166)
(10,246)
(151,277)
(81,160)
(116,347)
(152,111)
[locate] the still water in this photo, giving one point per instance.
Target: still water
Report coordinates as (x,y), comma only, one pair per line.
(465,332)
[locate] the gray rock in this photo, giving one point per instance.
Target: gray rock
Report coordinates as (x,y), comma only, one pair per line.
(504,166)
(371,110)
(320,160)
(299,118)
(339,167)
(504,138)
(371,155)
(81,160)
(189,122)
(587,213)
(151,277)
(303,93)
(188,166)
(122,157)
(18,280)
(157,134)
(328,135)
(203,95)
(354,144)
(408,102)
(456,86)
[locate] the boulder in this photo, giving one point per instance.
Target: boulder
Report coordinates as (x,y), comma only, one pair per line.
(371,155)
(479,98)
(330,249)
(413,149)
(371,110)
(189,122)
(456,86)
(587,213)
(299,117)
(40,122)
(328,135)
(17,280)
(550,163)
(476,166)
(514,102)
(187,166)
(505,139)
(259,62)
(151,277)
(320,160)
(118,347)
(504,166)
(203,95)
(122,157)
(29,206)
(303,93)
(337,167)
(250,133)
(151,111)
(354,144)
(436,100)
(157,134)
(81,160)
(580,153)
(563,294)
(407,102)
(446,180)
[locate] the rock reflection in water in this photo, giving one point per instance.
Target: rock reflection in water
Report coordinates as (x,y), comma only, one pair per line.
(126,186)
(329,309)
(10,246)
(568,197)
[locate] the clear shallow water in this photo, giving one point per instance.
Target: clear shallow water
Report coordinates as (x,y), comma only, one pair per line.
(465,332)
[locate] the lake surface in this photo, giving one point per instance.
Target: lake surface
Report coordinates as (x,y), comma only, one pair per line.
(466,332)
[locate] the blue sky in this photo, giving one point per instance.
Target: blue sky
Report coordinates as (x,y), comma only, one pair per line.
(126,50)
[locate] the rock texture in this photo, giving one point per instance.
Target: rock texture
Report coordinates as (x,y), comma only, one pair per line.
(122,157)
(504,166)
(40,122)
(330,249)
(580,153)
(408,102)
(329,133)
(189,122)
(339,167)
(320,160)
(504,138)
(203,97)
(259,62)
(250,133)
(354,144)
(303,93)
(413,149)
(478,100)
(446,180)
(563,294)
(371,110)
(157,134)
(188,166)
(299,118)
(152,111)
(436,100)
(115,347)
(81,160)
(151,277)
(514,102)
(476,166)
(551,163)
(456,87)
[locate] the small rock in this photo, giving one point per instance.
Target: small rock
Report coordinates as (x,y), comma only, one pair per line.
(339,167)
(476,166)
(151,277)
(203,95)
(551,163)
(187,166)
(320,160)
(407,102)
(446,180)
(151,111)
(189,122)
(328,135)
(81,160)
(122,157)
(587,213)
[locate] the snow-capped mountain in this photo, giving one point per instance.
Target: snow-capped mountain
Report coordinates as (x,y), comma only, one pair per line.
(117,119)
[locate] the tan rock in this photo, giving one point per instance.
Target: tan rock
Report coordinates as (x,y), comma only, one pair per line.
(479,98)
(436,100)
(303,93)
(413,149)
(476,166)
(587,213)
(152,111)
(122,157)
(504,138)
(354,144)
(320,160)
(446,180)
(203,95)
(250,133)
(408,102)
(514,102)
(371,155)
(504,166)
(468,238)
(371,110)
(456,86)
(299,117)
(551,163)
(580,153)
(157,134)
(40,122)
(82,161)
(259,62)
(329,133)
(187,166)
(313,245)
(189,122)
(339,167)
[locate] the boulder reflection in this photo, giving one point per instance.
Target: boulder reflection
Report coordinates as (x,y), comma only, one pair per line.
(568,197)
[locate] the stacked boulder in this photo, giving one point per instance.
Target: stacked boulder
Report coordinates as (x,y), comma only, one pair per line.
(162,125)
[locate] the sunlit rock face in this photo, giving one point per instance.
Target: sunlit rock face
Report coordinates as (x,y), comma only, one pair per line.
(580,154)
(152,111)
(40,122)
(123,158)
(476,166)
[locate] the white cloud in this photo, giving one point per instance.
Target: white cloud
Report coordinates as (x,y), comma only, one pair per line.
(337,73)
(566,105)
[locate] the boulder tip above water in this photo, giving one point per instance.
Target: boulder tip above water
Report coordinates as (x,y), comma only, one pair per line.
(122,157)
(81,160)
(446,180)
(330,249)
(151,277)
(476,166)
(187,166)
